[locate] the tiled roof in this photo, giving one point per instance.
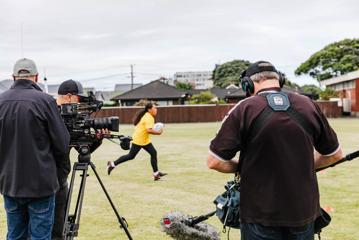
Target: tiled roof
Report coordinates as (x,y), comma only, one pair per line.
(153,90)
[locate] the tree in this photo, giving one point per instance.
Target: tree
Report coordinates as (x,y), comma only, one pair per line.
(203,98)
(311,89)
(290,84)
(333,60)
(184,86)
(328,93)
(229,72)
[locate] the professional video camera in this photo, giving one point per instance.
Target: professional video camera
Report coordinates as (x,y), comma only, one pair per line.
(83,129)
(79,122)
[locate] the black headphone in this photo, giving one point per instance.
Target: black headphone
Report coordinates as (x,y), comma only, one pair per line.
(257,67)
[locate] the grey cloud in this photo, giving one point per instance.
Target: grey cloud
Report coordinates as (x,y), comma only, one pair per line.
(89,39)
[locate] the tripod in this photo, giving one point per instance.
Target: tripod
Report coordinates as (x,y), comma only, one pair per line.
(72,221)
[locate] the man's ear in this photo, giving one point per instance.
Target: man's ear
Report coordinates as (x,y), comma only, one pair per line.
(13,77)
(36,77)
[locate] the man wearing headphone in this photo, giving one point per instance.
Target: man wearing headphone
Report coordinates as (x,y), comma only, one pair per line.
(282,139)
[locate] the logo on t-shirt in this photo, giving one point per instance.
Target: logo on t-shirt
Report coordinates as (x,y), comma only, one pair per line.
(278,100)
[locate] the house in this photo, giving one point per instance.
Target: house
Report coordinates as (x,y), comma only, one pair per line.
(163,94)
(347,86)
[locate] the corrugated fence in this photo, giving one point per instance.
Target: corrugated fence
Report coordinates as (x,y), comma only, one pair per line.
(196,113)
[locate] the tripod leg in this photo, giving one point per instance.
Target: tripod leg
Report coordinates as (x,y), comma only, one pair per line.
(121,220)
(72,222)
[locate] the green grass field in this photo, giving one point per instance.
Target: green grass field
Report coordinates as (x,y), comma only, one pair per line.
(190,187)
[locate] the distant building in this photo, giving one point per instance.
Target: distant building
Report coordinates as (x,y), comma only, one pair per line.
(199,79)
(162,93)
(347,86)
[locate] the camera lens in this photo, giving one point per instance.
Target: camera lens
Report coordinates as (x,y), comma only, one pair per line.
(111,123)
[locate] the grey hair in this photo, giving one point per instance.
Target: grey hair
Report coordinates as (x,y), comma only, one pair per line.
(264,76)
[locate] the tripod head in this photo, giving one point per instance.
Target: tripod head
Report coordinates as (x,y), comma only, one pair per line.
(84,154)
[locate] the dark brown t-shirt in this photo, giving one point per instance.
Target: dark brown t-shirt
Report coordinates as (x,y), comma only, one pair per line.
(278,179)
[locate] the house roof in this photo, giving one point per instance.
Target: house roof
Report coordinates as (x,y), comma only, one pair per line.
(153,90)
(106,95)
(238,93)
(124,87)
(343,78)
(6,84)
(222,93)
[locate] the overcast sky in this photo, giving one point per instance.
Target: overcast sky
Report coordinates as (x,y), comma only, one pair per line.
(96,41)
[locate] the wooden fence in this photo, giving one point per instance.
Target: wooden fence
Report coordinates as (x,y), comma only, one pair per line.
(172,114)
(196,113)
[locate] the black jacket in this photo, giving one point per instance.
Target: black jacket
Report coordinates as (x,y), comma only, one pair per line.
(33,141)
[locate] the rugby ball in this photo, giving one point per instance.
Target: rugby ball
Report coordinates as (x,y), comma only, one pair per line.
(158,126)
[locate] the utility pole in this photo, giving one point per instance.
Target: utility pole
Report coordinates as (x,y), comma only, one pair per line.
(131,76)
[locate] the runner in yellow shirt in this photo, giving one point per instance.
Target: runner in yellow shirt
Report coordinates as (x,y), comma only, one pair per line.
(144,121)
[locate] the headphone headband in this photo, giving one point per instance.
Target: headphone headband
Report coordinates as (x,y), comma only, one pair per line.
(258,67)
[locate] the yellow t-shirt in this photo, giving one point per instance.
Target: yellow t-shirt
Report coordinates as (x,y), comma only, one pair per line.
(141,136)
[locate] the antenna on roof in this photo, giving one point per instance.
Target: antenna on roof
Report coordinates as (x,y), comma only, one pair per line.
(132,76)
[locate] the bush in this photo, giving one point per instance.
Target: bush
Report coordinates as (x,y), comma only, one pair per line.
(328,93)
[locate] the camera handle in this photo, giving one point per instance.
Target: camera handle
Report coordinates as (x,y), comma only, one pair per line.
(72,222)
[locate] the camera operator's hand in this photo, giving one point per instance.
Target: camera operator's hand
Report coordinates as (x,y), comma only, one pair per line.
(104,132)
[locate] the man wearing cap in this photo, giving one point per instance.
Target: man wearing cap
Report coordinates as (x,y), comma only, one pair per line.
(275,133)
(69,92)
(33,143)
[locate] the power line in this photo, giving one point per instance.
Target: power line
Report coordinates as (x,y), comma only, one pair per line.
(104,77)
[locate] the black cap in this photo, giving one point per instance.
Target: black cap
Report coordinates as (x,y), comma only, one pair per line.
(257,67)
(72,87)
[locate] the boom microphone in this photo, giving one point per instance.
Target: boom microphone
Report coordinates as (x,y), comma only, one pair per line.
(185,227)
(348,157)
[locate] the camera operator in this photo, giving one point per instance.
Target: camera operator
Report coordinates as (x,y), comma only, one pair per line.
(69,91)
(275,133)
(34,142)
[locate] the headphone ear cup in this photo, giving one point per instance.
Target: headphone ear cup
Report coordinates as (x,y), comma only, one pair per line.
(247,85)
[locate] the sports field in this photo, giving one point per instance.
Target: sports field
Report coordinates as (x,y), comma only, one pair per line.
(190,187)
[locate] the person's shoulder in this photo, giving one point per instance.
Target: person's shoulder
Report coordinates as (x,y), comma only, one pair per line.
(299,98)
(248,102)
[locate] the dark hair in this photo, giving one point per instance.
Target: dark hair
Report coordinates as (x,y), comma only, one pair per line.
(140,113)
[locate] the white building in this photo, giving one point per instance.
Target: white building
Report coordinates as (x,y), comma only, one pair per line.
(199,79)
